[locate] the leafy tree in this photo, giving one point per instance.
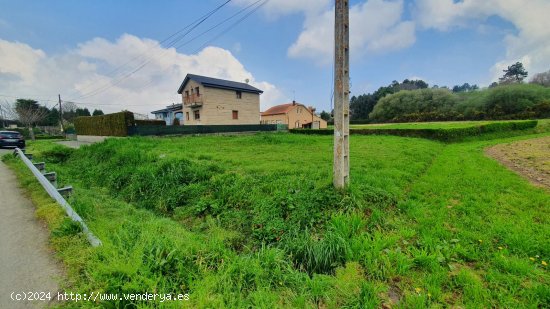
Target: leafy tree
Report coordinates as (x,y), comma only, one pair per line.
(542,79)
(361,106)
(28,112)
(465,88)
(97,112)
(325,116)
(416,105)
(52,119)
(69,111)
(513,74)
(80,112)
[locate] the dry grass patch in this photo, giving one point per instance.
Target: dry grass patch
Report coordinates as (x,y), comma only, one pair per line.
(530,158)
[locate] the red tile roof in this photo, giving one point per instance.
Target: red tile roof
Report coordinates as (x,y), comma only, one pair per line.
(280,109)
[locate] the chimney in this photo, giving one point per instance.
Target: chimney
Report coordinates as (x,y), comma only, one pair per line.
(293,102)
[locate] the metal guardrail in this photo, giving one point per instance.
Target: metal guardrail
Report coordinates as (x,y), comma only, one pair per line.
(54,193)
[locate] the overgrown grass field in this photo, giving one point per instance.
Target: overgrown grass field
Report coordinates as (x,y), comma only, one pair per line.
(253,221)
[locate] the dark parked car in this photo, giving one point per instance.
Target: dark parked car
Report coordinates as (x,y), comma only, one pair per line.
(11,139)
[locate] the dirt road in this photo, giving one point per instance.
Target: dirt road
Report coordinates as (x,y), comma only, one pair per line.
(26,263)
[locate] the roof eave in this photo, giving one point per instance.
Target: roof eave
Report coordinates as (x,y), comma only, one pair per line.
(258,91)
(185,81)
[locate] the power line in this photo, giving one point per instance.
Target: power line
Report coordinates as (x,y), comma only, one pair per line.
(147,61)
(157,44)
(224,31)
(219,24)
(231,26)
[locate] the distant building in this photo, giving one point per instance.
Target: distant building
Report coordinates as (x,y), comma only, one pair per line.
(295,115)
(170,113)
(212,101)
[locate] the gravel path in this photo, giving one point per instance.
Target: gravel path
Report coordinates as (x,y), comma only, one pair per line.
(26,262)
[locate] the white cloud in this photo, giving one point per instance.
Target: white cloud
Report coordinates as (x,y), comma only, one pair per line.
(531,43)
(19,60)
(94,65)
(375,27)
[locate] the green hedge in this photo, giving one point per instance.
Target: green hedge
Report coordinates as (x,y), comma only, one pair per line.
(440,134)
(105,125)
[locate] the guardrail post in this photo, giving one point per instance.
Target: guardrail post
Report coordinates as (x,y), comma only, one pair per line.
(66,191)
(41,166)
(52,177)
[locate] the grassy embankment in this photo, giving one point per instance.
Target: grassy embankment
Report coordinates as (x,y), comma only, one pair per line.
(423,125)
(253,221)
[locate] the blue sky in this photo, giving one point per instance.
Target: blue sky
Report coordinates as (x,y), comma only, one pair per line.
(72,47)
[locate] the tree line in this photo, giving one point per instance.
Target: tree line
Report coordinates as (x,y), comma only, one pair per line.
(29,113)
(414,100)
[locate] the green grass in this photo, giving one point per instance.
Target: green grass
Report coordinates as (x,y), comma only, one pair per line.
(253,221)
(428,125)
(421,125)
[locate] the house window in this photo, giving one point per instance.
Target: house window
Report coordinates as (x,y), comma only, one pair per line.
(297,124)
(187,93)
(197,92)
(187,115)
(239,95)
(235,114)
(197,115)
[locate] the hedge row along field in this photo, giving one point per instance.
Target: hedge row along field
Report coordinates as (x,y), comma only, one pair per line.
(451,134)
(105,125)
(254,222)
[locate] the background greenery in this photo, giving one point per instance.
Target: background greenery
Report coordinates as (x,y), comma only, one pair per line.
(516,101)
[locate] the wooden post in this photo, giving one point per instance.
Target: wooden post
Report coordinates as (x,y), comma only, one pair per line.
(341,94)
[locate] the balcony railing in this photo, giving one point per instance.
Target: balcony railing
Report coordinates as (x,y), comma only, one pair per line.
(193,100)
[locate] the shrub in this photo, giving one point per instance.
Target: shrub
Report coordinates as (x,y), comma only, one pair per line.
(106,125)
(506,101)
(441,134)
(422,101)
(58,154)
(514,101)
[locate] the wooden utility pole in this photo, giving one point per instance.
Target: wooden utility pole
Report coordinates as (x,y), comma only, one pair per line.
(341,94)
